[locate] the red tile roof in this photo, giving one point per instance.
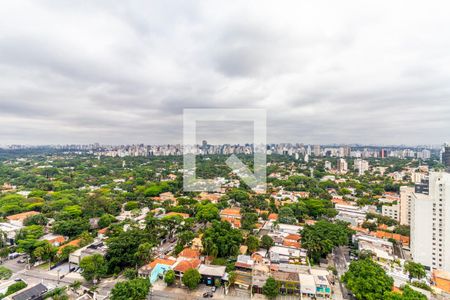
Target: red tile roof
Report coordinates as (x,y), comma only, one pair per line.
(292,244)
(293,237)
(22,216)
(273,217)
(185,265)
(231,212)
(189,253)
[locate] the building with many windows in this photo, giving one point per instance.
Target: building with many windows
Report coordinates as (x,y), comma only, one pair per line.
(406,194)
(430,223)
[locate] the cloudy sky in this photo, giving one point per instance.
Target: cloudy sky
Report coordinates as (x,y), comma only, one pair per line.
(325,71)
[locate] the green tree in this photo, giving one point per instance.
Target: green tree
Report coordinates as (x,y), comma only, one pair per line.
(407,294)
(270,288)
(286,216)
(169,277)
(93,267)
(71,227)
(39,219)
(5,273)
(415,270)
(252,243)
(130,273)
(15,287)
(144,252)
(206,212)
(45,252)
(135,289)
(65,252)
(232,277)
(106,220)
(85,238)
(191,278)
(367,280)
(249,220)
(319,239)
(267,242)
(131,205)
(221,240)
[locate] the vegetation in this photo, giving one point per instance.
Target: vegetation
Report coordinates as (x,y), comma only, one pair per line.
(406,294)
(320,239)
(135,289)
(270,288)
(191,278)
(267,242)
(5,273)
(169,277)
(367,280)
(93,267)
(415,270)
(220,240)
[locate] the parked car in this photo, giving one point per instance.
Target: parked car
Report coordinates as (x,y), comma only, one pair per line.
(213,289)
(13,255)
(22,261)
(207,295)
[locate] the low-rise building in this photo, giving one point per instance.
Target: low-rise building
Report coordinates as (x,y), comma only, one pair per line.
(18,219)
(211,273)
(97,247)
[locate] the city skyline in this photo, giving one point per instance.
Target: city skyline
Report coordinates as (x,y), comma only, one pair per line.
(357,72)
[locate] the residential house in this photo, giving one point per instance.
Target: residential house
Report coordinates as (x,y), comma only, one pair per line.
(35,292)
(211,273)
(11,231)
(307,285)
(181,266)
(280,254)
(232,216)
(18,219)
(288,283)
(156,268)
(97,247)
(54,239)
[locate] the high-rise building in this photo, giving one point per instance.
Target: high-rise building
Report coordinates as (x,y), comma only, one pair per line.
(430,223)
(316,150)
(446,156)
(361,165)
(342,165)
(406,194)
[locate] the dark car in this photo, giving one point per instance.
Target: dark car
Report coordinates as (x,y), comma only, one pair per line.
(207,295)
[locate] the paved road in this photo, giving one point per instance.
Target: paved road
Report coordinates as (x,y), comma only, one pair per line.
(341,256)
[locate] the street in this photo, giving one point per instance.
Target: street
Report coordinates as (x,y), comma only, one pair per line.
(341,257)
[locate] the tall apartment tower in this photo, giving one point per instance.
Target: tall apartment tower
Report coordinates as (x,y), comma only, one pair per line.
(446,156)
(361,165)
(406,194)
(342,165)
(316,150)
(430,223)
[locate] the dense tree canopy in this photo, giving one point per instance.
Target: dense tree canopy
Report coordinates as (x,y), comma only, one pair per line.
(367,280)
(320,239)
(221,240)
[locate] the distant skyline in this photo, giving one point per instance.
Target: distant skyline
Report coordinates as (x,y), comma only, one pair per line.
(327,72)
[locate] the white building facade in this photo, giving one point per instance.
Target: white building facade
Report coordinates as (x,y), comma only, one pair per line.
(430,223)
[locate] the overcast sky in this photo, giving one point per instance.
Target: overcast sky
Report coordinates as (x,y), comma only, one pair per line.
(326,71)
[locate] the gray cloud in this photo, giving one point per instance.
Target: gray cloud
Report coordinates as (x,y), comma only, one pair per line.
(123,72)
